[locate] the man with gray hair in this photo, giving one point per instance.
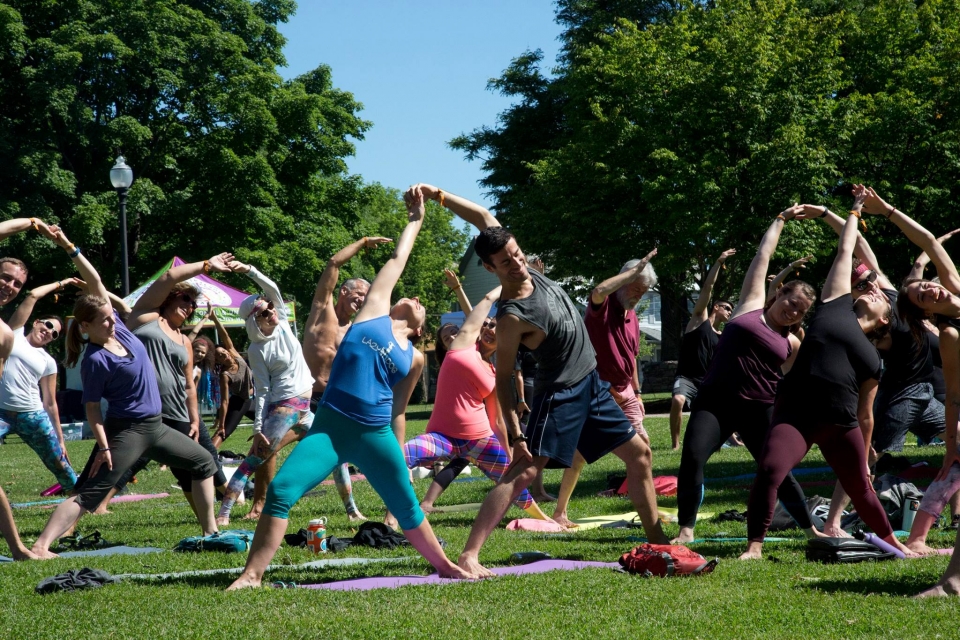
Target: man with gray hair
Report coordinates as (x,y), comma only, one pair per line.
(614,331)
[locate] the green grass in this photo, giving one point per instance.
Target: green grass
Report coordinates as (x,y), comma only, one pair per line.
(789,598)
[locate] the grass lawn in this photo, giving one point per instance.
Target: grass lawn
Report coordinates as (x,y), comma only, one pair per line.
(780,597)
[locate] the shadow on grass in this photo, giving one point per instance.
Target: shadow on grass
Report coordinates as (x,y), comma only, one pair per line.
(892,585)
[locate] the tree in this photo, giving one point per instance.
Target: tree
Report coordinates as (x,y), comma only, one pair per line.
(690,127)
(227,155)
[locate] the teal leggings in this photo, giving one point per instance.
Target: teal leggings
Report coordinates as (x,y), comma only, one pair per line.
(332,440)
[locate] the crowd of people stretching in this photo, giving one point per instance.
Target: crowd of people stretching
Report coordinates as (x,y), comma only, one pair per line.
(538,384)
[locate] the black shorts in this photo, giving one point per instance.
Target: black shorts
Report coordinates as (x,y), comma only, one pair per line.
(583,417)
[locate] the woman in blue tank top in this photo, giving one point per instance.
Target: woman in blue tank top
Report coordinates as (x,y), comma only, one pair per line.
(376,362)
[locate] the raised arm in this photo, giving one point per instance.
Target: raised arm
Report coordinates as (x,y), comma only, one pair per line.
(197,328)
(863,250)
(473,213)
(147,308)
(916,273)
(470,331)
(799,263)
(224,338)
(753,291)
(452,282)
(327,283)
(701,309)
(838,279)
(270,289)
(116,301)
(377,302)
(919,236)
(18,225)
(22,314)
(88,274)
(608,286)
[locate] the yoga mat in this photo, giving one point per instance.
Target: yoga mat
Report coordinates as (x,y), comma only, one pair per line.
(806,471)
(354,477)
(667,514)
(457,508)
(365,584)
(133,497)
(109,551)
(316,564)
(699,540)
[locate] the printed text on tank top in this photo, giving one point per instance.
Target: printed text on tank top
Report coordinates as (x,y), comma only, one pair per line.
(384,352)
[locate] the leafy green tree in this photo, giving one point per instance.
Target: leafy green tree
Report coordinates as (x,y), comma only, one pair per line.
(689,126)
(227,155)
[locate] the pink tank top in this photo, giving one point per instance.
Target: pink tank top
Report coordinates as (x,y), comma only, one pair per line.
(465,407)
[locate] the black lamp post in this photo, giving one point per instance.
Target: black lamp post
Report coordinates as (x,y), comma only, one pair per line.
(121,177)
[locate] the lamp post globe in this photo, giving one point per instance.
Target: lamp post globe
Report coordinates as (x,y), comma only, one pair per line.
(121,177)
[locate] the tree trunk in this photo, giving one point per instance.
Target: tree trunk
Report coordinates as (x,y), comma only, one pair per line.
(672,317)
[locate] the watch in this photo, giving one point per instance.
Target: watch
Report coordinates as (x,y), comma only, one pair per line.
(512,440)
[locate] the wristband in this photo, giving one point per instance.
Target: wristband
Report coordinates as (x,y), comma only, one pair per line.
(33,223)
(206,266)
(891,212)
(70,247)
(780,217)
(104,449)
(440,197)
(75,253)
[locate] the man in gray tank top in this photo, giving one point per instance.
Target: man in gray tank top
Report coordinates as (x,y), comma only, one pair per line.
(572,408)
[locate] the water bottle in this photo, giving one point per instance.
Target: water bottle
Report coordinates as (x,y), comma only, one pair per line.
(910,509)
(316,535)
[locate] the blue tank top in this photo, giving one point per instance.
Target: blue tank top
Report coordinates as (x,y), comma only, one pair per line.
(367,366)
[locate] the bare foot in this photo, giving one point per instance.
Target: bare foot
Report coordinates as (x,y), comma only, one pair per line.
(751,555)
(42,554)
(908,552)
(946,587)
(835,532)
(391,522)
(472,567)
(429,508)
(456,573)
(26,554)
(100,511)
(685,536)
(223,522)
(244,582)
(562,520)
(920,547)
(356,516)
(544,497)
(676,446)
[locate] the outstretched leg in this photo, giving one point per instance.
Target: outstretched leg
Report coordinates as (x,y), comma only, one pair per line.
(639,460)
(9,530)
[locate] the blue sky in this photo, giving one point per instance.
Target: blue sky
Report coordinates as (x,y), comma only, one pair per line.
(420,68)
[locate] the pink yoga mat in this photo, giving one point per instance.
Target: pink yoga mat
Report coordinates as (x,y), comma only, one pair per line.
(354,477)
(365,584)
(137,497)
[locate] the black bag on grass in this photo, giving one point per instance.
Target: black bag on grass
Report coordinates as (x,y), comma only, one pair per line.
(844,551)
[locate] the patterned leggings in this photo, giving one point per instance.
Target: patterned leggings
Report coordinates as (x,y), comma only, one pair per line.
(486,453)
(36,429)
(292,413)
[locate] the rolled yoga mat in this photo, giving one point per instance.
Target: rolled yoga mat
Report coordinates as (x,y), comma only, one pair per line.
(392,582)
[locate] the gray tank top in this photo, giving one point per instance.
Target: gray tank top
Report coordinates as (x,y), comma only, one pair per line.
(565,356)
(240,382)
(168,358)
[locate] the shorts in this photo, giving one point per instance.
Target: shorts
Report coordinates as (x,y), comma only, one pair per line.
(687,388)
(912,408)
(583,417)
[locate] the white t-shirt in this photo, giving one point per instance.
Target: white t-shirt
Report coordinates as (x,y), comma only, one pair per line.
(19,390)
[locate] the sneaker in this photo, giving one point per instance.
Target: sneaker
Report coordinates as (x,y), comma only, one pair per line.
(955,522)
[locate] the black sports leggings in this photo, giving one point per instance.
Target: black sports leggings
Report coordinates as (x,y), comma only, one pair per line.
(237,407)
(711,423)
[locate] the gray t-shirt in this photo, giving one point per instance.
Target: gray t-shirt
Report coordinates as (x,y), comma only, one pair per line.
(169,359)
(565,356)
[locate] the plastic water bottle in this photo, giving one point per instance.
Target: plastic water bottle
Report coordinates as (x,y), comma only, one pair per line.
(316,535)
(909,514)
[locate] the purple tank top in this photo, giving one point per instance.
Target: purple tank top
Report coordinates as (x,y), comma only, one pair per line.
(746,363)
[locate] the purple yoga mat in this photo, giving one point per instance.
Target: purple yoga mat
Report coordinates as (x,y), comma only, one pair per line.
(365,584)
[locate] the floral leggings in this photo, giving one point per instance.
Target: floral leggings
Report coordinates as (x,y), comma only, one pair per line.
(292,413)
(486,453)
(36,429)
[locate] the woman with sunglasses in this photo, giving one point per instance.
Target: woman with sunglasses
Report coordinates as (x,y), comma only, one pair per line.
(156,319)
(373,375)
(28,388)
(839,366)
(738,391)
(466,421)
(116,367)
(283,386)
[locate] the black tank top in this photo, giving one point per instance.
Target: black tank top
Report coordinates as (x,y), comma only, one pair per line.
(696,352)
(907,361)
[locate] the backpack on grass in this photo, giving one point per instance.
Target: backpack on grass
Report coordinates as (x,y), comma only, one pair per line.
(844,551)
(665,560)
(223,541)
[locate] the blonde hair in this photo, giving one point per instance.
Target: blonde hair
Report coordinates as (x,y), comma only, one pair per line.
(85,310)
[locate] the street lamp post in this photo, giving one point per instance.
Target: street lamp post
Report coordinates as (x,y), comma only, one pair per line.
(121,177)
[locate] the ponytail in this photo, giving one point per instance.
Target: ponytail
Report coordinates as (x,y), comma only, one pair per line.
(85,310)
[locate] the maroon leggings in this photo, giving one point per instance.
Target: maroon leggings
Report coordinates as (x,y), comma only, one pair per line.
(786,445)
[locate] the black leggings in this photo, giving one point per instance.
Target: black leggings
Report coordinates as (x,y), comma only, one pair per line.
(711,423)
(237,408)
(183,477)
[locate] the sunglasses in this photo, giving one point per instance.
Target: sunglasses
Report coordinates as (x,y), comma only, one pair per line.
(53,332)
(864,284)
(726,308)
(187,298)
(266,312)
(489,323)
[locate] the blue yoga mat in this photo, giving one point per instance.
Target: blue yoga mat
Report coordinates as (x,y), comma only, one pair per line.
(804,471)
(122,550)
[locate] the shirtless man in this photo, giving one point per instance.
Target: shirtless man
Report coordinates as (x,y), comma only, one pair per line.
(582,415)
